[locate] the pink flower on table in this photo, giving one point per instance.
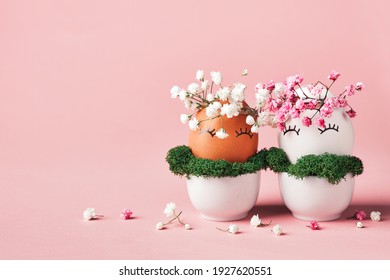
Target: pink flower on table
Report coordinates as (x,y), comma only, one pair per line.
(126,214)
(333,75)
(314,225)
(359,86)
(351,113)
(359,215)
(320,122)
(350,90)
(306,121)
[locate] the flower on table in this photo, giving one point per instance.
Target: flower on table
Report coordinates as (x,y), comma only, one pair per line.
(358,215)
(233,229)
(256,221)
(126,214)
(277,229)
(314,225)
(170,212)
(375,216)
(89,214)
(359,225)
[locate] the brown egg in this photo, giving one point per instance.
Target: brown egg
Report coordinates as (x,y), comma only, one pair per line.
(238,147)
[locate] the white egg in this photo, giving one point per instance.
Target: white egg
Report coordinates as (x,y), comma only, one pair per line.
(337,137)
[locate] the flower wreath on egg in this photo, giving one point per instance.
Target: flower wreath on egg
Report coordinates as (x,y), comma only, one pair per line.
(276,104)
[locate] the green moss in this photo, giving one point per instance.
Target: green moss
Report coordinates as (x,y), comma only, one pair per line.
(332,167)
(183,163)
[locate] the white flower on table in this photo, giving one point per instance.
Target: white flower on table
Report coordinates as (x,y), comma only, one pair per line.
(359,225)
(169,210)
(160,225)
(233,229)
(375,216)
(89,214)
(277,230)
(255,221)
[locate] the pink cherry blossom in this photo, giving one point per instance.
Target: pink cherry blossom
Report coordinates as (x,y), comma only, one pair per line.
(293,81)
(295,113)
(286,107)
(317,90)
(306,121)
(312,104)
(281,117)
(270,85)
(351,113)
(314,225)
(320,122)
(342,103)
(350,90)
(359,86)
(300,105)
(333,75)
(326,111)
(280,126)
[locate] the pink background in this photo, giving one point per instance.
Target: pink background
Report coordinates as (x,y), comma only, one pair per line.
(86,120)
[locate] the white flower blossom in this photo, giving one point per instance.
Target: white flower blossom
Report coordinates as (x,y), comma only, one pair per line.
(184,118)
(160,225)
(244,72)
(262,96)
(175,90)
(223,93)
(221,134)
(359,225)
(277,229)
(194,124)
(255,128)
(89,214)
(187,226)
(233,228)
(250,120)
(212,109)
(255,221)
(199,75)
(210,97)
(230,110)
(205,85)
(237,93)
(193,88)
(375,216)
(279,88)
(183,95)
(216,77)
(263,118)
(188,104)
(169,210)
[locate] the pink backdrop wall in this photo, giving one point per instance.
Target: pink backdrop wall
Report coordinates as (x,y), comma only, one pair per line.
(86,116)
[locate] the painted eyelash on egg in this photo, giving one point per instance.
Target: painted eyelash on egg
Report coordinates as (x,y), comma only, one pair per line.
(211,132)
(294,129)
(246,131)
(333,127)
